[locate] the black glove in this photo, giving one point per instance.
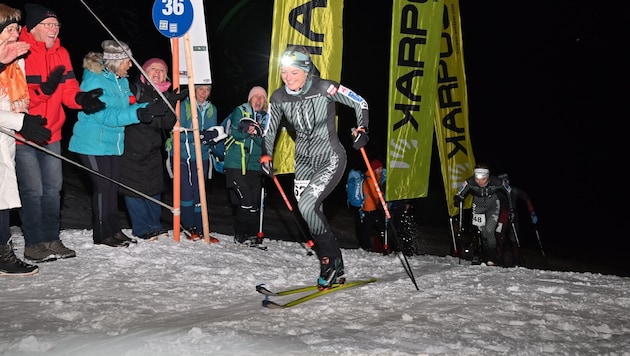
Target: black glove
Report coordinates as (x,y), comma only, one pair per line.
(246,123)
(54,78)
(511,216)
(458,199)
(89,100)
(359,138)
(33,129)
(173,97)
(213,135)
(145,116)
(157,108)
(266,166)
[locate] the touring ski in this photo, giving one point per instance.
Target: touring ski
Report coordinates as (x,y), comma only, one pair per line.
(315,293)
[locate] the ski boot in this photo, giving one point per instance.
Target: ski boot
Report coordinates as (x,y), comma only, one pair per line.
(330,273)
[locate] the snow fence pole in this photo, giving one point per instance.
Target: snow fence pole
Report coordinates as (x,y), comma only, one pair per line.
(388,217)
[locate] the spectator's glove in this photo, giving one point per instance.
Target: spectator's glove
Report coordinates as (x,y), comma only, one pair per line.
(33,129)
(245,124)
(359,137)
(54,78)
(212,135)
(145,116)
(458,199)
(173,97)
(266,166)
(534,218)
(157,108)
(89,101)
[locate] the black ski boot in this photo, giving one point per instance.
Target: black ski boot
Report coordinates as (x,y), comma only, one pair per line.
(331,272)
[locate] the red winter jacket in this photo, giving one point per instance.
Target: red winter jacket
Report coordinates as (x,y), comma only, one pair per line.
(39,62)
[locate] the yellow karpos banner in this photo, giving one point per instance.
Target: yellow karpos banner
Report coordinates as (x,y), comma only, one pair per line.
(451,122)
(317,25)
(415,49)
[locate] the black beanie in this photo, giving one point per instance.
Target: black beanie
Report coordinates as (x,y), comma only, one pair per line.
(36,14)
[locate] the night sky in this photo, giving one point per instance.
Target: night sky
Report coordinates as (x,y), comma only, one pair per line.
(543,92)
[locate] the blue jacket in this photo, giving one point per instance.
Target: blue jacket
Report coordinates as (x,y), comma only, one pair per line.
(103,133)
(207,116)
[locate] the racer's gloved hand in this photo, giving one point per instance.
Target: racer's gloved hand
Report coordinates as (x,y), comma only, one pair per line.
(511,216)
(359,137)
(458,199)
(534,218)
(266,166)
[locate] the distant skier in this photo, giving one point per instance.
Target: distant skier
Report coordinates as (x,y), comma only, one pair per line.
(508,220)
(485,189)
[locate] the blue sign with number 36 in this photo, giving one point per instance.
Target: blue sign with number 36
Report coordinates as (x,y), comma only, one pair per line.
(173,18)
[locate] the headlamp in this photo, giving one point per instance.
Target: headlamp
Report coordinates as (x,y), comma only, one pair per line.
(481,173)
(296,59)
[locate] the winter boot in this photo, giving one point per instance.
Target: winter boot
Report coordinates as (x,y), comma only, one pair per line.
(193,234)
(331,272)
(10,265)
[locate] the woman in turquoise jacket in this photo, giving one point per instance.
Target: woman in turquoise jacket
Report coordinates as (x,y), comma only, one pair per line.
(98,138)
(190,200)
(244,148)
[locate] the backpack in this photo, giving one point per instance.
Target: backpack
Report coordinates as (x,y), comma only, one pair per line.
(354,188)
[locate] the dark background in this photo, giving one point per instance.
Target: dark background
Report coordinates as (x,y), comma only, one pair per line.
(544,82)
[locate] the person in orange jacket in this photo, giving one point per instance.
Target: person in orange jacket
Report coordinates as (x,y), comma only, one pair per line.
(373,220)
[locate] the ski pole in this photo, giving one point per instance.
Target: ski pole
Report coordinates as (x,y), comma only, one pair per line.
(539,243)
(261,235)
(388,216)
(309,242)
(56,155)
(461,226)
(385,238)
(450,223)
(518,243)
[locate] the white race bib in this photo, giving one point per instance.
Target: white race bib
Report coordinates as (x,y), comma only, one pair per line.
(479,220)
(298,188)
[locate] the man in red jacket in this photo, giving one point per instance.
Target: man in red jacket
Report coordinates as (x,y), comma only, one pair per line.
(51,85)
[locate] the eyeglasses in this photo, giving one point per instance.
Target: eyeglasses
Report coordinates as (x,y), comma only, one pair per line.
(49,25)
(13,29)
